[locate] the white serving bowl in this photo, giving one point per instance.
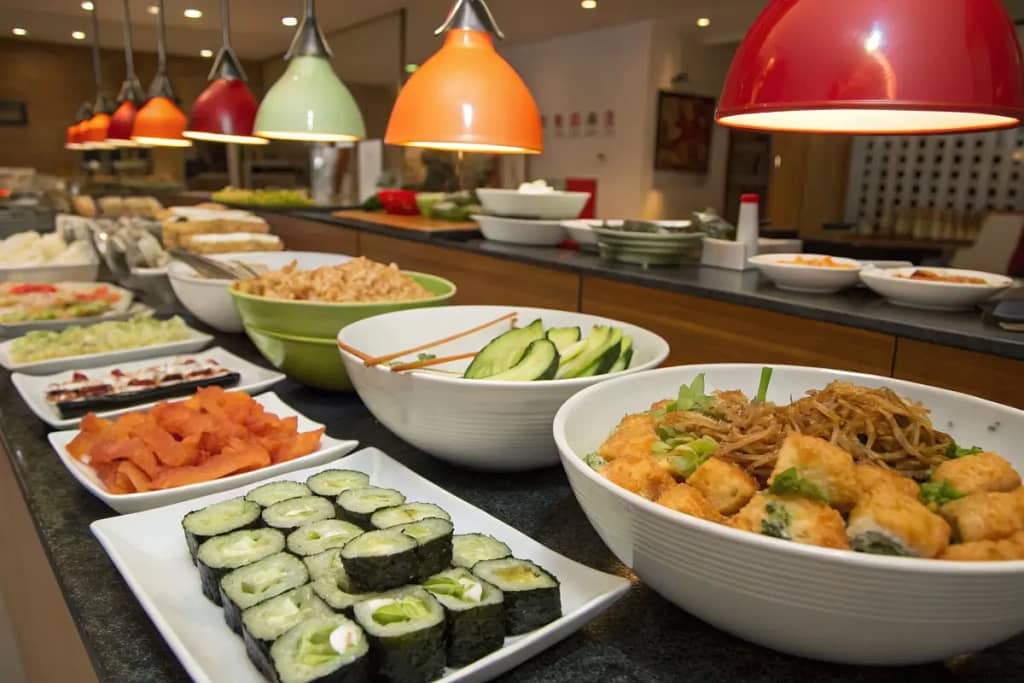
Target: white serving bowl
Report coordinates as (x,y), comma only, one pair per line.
(554,205)
(802,278)
(937,296)
(208,298)
(582,232)
(480,424)
(535,233)
(821,603)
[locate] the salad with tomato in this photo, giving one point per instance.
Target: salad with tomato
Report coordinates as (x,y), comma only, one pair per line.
(28,302)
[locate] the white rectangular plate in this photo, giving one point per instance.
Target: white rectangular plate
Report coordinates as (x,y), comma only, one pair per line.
(149,550)
(33,388)
(330,450)
(197,341)
(121,310)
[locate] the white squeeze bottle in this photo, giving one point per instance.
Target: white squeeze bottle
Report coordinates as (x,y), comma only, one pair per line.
(748,226)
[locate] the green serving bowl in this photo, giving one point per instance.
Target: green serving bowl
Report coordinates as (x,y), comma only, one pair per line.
(313,362)
(318,320)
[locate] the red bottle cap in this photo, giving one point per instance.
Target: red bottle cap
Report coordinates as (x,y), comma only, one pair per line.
(745,198)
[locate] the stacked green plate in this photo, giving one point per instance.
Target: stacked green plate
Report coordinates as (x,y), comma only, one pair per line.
(668,248)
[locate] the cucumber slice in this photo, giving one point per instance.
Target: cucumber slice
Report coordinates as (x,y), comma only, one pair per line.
(539,362)
(600,354)
(564,337)
(572,351)
(504,351)
(625,356)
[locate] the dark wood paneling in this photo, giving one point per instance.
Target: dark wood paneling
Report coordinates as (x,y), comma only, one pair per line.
(992,377)
(300,234)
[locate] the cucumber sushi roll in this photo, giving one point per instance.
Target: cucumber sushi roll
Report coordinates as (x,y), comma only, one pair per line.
(406,630)
(358,505)
(259,581)
(264,623)
(380,560)
(336,590)
(295,512)
(404,514)
(222,554)
(468,549)
(475,612)
(276,491)
(327,563)
(331,483)
(316,537)
(433,538)
(532,596)
(331,649)
(218,519)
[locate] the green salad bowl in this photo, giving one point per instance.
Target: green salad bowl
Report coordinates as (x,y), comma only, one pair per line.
(310,361)
(318,320)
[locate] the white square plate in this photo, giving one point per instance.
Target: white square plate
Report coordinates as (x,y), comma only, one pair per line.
(330,450)
(150,552)
(33,388)
(122,309)
(197,341)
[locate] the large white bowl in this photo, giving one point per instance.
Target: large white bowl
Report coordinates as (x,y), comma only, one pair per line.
(536,233)
(826,604)
(208,298)
(553,205)
(802,278)
(937,296)
(480,424)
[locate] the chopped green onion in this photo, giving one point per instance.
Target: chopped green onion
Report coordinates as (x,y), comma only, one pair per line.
(762,389)
(594,461)
(791,483)
(954,451)
(935,494)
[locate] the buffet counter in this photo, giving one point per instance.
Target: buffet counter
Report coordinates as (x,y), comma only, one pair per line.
(706,314)
(642,638)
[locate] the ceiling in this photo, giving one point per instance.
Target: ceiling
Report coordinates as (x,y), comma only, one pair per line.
(257,31)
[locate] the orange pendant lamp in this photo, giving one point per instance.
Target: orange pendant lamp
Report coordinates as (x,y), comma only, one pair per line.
(466,98)
(94,133)
(877,67)
(160,122)
(131,96)
(74,137)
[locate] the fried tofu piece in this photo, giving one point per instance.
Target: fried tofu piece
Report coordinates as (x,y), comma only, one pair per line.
(643,475)
(978,473)
(688,500)
(889,522)
(792,518)
(871,478)
(1011,548)
(825,465)
(986,516)
(633,437)
(726,485)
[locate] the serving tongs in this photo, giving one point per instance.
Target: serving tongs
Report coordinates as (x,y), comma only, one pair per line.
(208,267)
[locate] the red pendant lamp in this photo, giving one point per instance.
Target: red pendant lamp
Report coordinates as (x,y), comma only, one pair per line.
(94,132)
(877,67)
(226,110)
(131,96)
(160,122)
(466,97)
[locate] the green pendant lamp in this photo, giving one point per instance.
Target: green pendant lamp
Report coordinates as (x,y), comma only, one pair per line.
(309,102)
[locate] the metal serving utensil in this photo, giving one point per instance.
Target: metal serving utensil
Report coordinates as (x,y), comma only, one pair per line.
(208,267)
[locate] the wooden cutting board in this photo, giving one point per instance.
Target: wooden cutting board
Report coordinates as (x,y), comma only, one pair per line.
(414,223)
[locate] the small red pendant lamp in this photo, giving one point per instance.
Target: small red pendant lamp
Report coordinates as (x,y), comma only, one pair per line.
(877,67)
(131,96)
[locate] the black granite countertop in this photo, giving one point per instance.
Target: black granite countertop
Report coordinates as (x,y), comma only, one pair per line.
(642,638)
(855,308)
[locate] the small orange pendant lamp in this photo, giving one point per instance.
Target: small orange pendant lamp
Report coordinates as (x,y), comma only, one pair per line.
(160,122)
(74,138)
(94,132)
(467,98)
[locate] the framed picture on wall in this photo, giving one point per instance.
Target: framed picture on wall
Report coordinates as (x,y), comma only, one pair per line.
(13,113)
(684,132)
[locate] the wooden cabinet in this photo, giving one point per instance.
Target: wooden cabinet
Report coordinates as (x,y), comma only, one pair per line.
(701,330)
(480,279)
(980,374)
(302,234)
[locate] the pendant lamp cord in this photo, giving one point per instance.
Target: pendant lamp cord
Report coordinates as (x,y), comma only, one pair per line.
(97,70)
(162,42)
(129,59)
(310,9)
(225,22)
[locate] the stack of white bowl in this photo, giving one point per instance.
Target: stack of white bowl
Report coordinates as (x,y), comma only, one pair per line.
(531,217)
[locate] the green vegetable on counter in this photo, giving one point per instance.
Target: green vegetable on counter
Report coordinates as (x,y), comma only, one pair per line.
(791,483)
(935,494)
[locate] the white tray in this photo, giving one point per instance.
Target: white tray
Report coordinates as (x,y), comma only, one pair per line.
(150,552)
(121,310)
(33,388)
(197,341)
(330,449)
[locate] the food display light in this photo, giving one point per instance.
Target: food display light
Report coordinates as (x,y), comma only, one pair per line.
(160,122)
(131,96)
(94,131)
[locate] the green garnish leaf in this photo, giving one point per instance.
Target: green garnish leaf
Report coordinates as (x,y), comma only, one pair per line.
(685,458)
(692,397)
(954,451)
(791,483)
(594,461)
(762,388)
(405,609)
(935,494)
(665,432)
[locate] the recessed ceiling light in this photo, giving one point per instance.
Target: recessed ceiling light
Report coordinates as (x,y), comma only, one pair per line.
(703,22)
(153,9)
(206,53)
(19,31)
(290,21)
(588,4)
(193,14)
(78,35)
(88,6)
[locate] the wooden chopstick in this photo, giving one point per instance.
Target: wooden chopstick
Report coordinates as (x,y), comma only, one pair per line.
(370,362)
(354,351)
(430,361)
